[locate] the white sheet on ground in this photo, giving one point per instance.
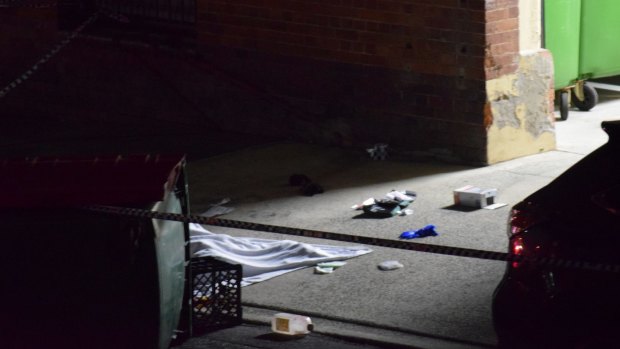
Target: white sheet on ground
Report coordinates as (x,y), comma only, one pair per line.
(263,259)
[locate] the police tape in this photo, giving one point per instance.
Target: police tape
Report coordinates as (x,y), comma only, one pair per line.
(365,240)
(51,53)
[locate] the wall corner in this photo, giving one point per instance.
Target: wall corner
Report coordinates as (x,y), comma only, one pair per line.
(519,115)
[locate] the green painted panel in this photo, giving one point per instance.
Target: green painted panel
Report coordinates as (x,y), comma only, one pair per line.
(561,30)
(600,38)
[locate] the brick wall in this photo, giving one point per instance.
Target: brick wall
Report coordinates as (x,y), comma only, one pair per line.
(502,38)
(410,73)
(428,36)
(25,34)
(413,69)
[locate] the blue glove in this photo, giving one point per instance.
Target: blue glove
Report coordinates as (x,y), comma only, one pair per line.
(428,230)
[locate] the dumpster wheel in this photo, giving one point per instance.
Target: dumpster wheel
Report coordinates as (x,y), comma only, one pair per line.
(564,97)
(590,98)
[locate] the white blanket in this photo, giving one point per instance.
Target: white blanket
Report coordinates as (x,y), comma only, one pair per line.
(263,259)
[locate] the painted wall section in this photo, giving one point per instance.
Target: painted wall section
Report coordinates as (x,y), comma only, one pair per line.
(530,25)
(519,115)
(523,121)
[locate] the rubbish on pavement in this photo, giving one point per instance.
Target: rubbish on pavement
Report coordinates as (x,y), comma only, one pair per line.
(366,202)
(406,195)
(334,264)
(291,324)
(328,267)
(263,259)
(392,204)
(378,152)
(323,270)
(218,209)
(307,187)
(390,265)
(494,206)
(428,230)
(474,197)
(382,209)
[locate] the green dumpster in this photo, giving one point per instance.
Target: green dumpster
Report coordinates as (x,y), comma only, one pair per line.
(562,29)
(581,35)
(600,30)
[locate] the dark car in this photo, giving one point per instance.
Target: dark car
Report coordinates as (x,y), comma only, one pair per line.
(575,218)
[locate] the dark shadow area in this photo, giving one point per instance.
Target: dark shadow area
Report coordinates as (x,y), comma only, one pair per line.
(274,337)
(461,208)
(98,97)
(369,216)
(605,95)
(64,296)
(112,91)
(71,137)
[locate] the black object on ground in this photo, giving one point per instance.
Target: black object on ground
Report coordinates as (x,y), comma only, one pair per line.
(307,187)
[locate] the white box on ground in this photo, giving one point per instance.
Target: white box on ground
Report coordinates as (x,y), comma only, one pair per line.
(474,197)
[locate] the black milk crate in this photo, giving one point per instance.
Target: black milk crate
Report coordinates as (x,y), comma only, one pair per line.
(216,301)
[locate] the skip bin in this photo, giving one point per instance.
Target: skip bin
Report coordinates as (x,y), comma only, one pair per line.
(562,30)
(582,37)
(79,279)
(600,31)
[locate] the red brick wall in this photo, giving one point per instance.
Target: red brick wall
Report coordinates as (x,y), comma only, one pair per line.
(413,69)
(410,73)
(434,37)
(502,37)
(25,35)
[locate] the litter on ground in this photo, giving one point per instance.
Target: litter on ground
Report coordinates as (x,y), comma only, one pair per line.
(378,152)
(218,209)
(263,259)
(323,270)
(428,230)
(306,186)
(392,204)
(390,265)
(328,267)
(495,206)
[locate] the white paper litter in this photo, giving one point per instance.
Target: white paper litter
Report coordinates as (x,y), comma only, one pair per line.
(494,206)
(390,265)
(366,202)
(218,209)
(399,196)
(263,259)
(323,270)
(334,264)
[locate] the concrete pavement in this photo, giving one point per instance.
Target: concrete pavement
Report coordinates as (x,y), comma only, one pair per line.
(433,302)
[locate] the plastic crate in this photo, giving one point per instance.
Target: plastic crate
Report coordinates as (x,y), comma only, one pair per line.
(216,301)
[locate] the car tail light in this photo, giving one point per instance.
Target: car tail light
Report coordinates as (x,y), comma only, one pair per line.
(517,246)
(521,220)
(517,249)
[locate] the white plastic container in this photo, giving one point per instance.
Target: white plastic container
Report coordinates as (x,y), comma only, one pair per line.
(291,324)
